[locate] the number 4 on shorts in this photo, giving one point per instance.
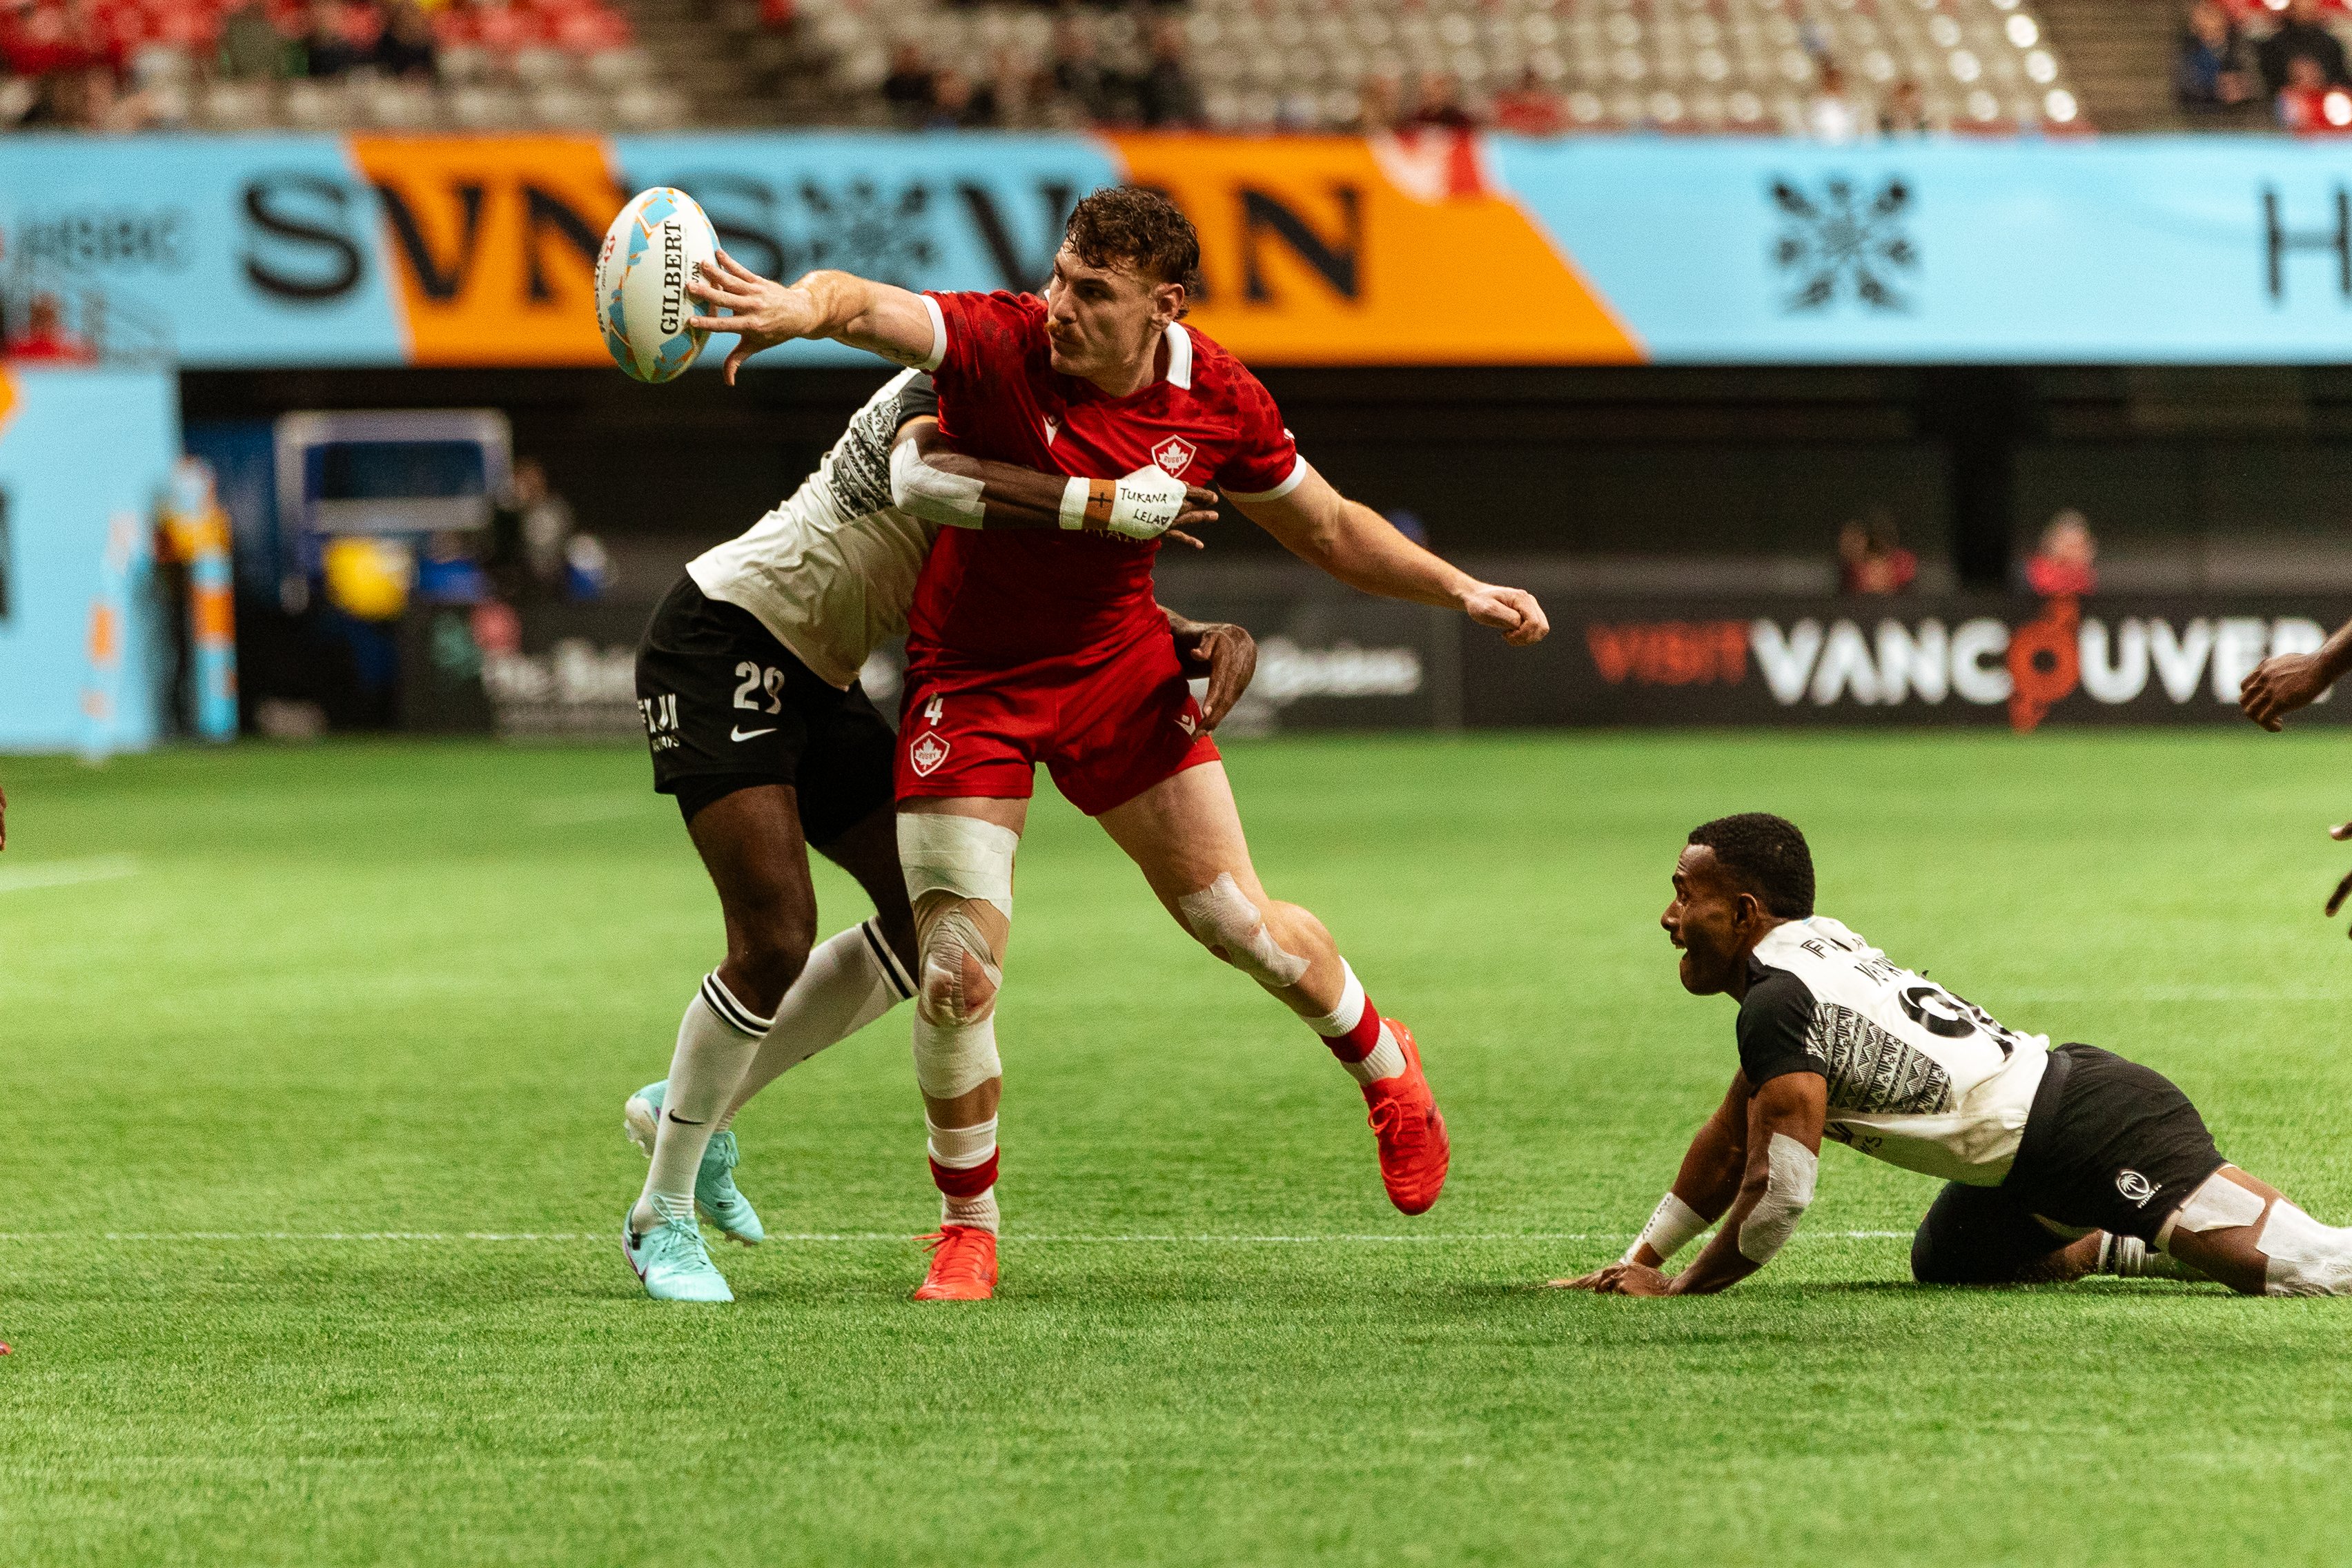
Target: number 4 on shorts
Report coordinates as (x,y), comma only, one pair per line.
(933,708)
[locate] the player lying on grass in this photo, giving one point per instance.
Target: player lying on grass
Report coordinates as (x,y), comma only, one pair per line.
(747,682)
(2286,682)
(2056,1164)
(1029,648)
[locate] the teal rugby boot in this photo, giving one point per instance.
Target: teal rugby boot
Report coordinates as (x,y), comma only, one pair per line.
(715,1193)
(671,1261)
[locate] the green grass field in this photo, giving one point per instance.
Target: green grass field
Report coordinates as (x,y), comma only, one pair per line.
(314,1164)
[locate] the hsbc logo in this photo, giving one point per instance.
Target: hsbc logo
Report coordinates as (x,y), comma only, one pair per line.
(1173,457)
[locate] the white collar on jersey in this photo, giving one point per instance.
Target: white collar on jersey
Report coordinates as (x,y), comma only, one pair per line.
(1180,355)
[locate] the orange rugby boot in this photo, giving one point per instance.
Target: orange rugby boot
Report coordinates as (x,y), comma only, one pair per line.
(1414,1147)
(963,1265)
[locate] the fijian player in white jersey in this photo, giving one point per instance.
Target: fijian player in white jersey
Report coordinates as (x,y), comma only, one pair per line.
(2057,1163)
(747,682)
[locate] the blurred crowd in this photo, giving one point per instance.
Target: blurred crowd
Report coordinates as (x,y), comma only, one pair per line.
(1873,561)
(1073,86)
(2283,61)
(103,65)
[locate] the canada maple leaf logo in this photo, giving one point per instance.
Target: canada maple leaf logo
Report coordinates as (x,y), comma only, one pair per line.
(1173,457)
(926,754)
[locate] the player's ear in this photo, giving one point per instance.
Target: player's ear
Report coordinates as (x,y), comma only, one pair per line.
(1167,303)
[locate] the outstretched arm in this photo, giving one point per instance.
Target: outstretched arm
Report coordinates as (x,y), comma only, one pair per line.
(1784,1144)
(1363,550)
(880,318)
(2286,682)
(1706,1187)
(936,483)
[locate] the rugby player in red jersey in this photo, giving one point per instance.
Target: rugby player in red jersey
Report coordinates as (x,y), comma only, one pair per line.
(1029,648)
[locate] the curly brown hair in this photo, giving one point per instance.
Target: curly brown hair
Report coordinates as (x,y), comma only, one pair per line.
(1133,225)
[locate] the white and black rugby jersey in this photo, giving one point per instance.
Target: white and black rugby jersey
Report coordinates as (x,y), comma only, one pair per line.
(831,573)
(1917,1077)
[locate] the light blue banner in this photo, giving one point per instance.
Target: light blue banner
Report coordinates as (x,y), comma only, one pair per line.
(81,449)
(2150,249)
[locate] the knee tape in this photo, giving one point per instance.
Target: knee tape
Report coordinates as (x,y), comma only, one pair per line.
(2217,1204)
(1223,917)
(932,493)
(960,978)
(1788,1194)
(2304,1256)
(958,855)
(952,1059)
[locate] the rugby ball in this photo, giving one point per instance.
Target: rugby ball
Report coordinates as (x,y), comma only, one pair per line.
(642,305)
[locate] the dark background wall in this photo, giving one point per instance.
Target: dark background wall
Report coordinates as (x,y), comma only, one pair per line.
(2182,471)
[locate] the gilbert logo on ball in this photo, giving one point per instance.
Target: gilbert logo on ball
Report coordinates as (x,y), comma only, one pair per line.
(642,306)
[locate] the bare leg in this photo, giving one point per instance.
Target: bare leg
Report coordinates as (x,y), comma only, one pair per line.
(2229,1254)
(1184,833)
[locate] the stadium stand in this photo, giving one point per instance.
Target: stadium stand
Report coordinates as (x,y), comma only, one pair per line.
(334,65)
(1834,70)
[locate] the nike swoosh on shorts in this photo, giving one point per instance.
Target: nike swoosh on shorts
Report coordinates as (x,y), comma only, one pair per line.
(750,734)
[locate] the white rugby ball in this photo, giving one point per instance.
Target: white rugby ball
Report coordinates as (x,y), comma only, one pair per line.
(642,306)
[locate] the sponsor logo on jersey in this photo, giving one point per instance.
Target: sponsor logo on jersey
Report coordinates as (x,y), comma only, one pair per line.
(2136,1188)
(927,753)
(1173,457)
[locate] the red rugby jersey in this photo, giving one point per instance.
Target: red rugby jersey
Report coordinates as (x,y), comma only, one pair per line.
(992,600)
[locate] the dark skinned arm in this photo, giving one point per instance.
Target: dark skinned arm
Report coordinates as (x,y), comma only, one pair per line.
(1015,497)
(1230,654)
(2286,682)
(1709,1181)
(1793,1105)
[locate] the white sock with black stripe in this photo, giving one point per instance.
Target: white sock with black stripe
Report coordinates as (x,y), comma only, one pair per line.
(852,979)
(716,1042)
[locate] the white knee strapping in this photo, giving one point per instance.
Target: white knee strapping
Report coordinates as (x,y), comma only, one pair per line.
(952,1059)
(1788,1192)
(1222,916)
(932,493)
(1671,1224)
(960,978)
(2217,1204)
(2305,1257)
(961,855)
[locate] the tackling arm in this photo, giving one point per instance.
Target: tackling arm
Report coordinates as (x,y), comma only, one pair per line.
(1363,550)
(880,318)
(2286,682)
(936,483)
(1784,1144)
(1228,653)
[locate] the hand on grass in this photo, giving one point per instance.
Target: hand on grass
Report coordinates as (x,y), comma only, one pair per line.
(1619,1280)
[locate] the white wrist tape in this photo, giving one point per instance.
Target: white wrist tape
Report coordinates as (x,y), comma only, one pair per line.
(930,493)
(1671,1224)
(942,853)
(1788,1192)
(1143,505)
(1146,503)
(1076,494)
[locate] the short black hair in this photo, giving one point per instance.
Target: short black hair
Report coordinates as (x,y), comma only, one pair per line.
(1766,855)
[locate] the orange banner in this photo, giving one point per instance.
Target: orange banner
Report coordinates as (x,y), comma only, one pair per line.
(493,241)
(1330,250)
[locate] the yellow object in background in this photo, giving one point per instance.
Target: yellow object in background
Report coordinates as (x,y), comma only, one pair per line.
(369,578)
